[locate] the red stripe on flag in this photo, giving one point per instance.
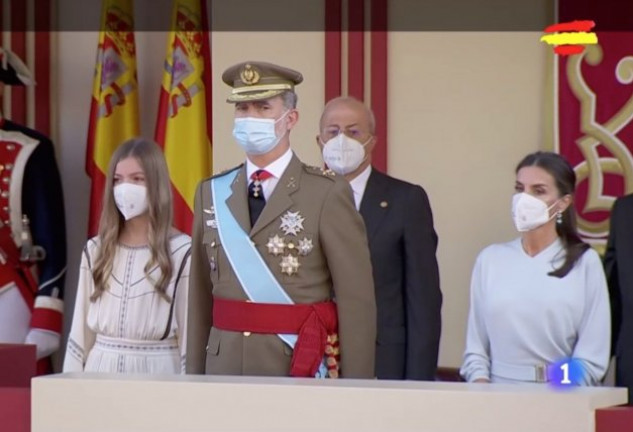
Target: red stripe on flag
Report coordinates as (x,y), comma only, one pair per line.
(568,49)
(183,216)
(95,174)
(18,46)
(571,26)
(92,126)
(42,67)
(379,89)
(333,16)
(356,49)
(163,111)
(96,196)
(206,74)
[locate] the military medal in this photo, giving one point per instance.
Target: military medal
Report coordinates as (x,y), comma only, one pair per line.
(292,223)
(256,187)
(211,222)
(275,245)
(289,265)
(305,246)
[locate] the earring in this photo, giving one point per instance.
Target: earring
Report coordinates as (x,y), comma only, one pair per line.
(559,217)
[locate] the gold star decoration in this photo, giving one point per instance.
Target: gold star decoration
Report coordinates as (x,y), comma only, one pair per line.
(275,245)
(289,265)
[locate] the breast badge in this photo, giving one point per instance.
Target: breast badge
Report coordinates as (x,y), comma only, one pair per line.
(290,248)
(292,223)
(289,264)
(276,245)
(305,246)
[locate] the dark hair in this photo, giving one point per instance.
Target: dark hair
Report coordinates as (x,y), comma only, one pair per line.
(565,179)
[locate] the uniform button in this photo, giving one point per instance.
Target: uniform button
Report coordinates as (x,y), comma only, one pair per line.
(5,209)
(4,194)
(212,244)
(247,334)
(6,180)
(10,147)
(8,166)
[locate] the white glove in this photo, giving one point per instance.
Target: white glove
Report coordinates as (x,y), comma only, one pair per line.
(46,342)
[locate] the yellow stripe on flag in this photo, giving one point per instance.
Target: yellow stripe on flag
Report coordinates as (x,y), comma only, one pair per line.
(114,111)
(580,38)
(182,126)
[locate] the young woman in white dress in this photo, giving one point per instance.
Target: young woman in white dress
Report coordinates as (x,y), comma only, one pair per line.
(540,299)
(131,300)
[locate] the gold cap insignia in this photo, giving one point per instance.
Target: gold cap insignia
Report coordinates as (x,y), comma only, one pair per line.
(249,76)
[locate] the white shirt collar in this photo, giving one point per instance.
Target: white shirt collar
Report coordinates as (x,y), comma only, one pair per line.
(276,168)
(358,184)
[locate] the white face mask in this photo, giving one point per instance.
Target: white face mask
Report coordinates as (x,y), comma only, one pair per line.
(343,154)
(131,199)
(529,212)
(257,135)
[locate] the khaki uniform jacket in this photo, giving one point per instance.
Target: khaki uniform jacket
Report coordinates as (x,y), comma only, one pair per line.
(338,266)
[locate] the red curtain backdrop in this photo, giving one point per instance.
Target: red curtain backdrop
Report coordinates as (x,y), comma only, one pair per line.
(593,112)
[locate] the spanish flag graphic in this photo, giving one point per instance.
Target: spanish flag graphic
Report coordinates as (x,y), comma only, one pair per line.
(183,126)
(114,109)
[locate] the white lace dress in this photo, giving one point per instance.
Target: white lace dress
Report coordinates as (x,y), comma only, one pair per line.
(128,329)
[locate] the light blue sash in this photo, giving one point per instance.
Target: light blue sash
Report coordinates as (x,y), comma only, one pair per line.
(256,279)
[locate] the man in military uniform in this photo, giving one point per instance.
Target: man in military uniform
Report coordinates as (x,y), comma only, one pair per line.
(402,243)
(281,281)
(32,231)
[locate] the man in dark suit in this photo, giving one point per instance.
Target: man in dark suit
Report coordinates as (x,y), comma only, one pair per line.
(402,244)
(619,272)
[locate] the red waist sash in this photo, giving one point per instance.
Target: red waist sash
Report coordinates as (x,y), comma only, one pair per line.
(315,324)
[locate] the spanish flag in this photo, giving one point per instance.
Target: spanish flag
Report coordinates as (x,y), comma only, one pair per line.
(183,127)
(114,109)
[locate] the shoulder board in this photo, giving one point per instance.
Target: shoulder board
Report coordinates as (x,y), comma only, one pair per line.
(226,171)
(328,173)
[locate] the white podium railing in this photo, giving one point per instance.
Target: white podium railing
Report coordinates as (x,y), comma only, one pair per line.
(92,402)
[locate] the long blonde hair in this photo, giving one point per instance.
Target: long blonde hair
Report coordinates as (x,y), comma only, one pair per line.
(150,157)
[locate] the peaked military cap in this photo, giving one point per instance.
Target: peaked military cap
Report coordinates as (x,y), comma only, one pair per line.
(255,80)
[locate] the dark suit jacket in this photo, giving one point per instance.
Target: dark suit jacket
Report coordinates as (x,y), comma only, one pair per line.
(618,262)
(402,244)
